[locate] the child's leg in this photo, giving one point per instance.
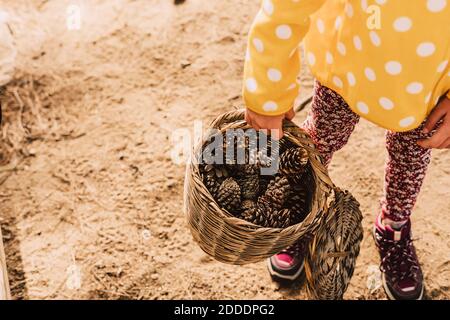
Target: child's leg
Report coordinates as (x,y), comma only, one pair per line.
(330,121)
(405,170)
(406,166)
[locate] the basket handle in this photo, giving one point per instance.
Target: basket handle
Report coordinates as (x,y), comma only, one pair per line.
(235,120)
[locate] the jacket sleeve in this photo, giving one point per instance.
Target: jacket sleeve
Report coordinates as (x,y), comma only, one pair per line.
(272,61)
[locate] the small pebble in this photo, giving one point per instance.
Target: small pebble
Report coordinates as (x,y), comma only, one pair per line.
(154,276)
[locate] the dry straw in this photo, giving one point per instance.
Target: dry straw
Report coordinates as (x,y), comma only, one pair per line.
(334,221)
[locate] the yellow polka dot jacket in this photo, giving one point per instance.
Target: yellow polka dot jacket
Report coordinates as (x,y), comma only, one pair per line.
(389,59)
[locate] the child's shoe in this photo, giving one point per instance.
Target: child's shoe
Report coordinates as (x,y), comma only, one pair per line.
(289,264)
(402,276)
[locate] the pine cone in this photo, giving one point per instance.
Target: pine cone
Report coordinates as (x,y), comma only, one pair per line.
(268,217)
(249,165)
(218,171)
(249,186)
(277,192)
(293,163)
(298,206)
(300,200)
(270,202)
(280,219)
(248,205)
(211,184)
(248,211)
(229,195)
(263,211)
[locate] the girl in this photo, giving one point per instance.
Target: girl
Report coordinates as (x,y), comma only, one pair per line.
(383,60)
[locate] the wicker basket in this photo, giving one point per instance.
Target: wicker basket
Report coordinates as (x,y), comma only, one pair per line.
(235,241)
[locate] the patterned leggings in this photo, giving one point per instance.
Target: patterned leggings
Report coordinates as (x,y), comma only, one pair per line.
(330,124)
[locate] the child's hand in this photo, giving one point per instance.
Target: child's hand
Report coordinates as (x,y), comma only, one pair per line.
(259,121)
(440,139)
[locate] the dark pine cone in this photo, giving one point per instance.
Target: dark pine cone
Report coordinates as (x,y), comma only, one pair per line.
(263,211)
(300,199)
(293,163)
(211,183)
(229,195)
(280,219)
(213,176)
(217,170)
(298,205)
(277,192)
(267,216)
(242,170)
(249,186)
(248,211)
(248,165)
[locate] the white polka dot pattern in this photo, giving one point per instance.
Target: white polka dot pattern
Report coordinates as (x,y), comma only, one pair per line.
(391,75)
(338,82)
(274,75)
(268,7)
(251,84)
(357,43)
(414,88)
(349,10)
(341,48)
(436,5)
(259,46)
(362,107)
(374,38)
(442,66)
(393,67)
(270,106)
(311,58)
(351,79)
(320,26)
(402,24)
(370,74)
(406,122)
(329,58)
(386,103)
(426,49)
(284,32)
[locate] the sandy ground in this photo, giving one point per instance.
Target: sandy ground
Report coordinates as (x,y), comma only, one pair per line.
(93,207)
